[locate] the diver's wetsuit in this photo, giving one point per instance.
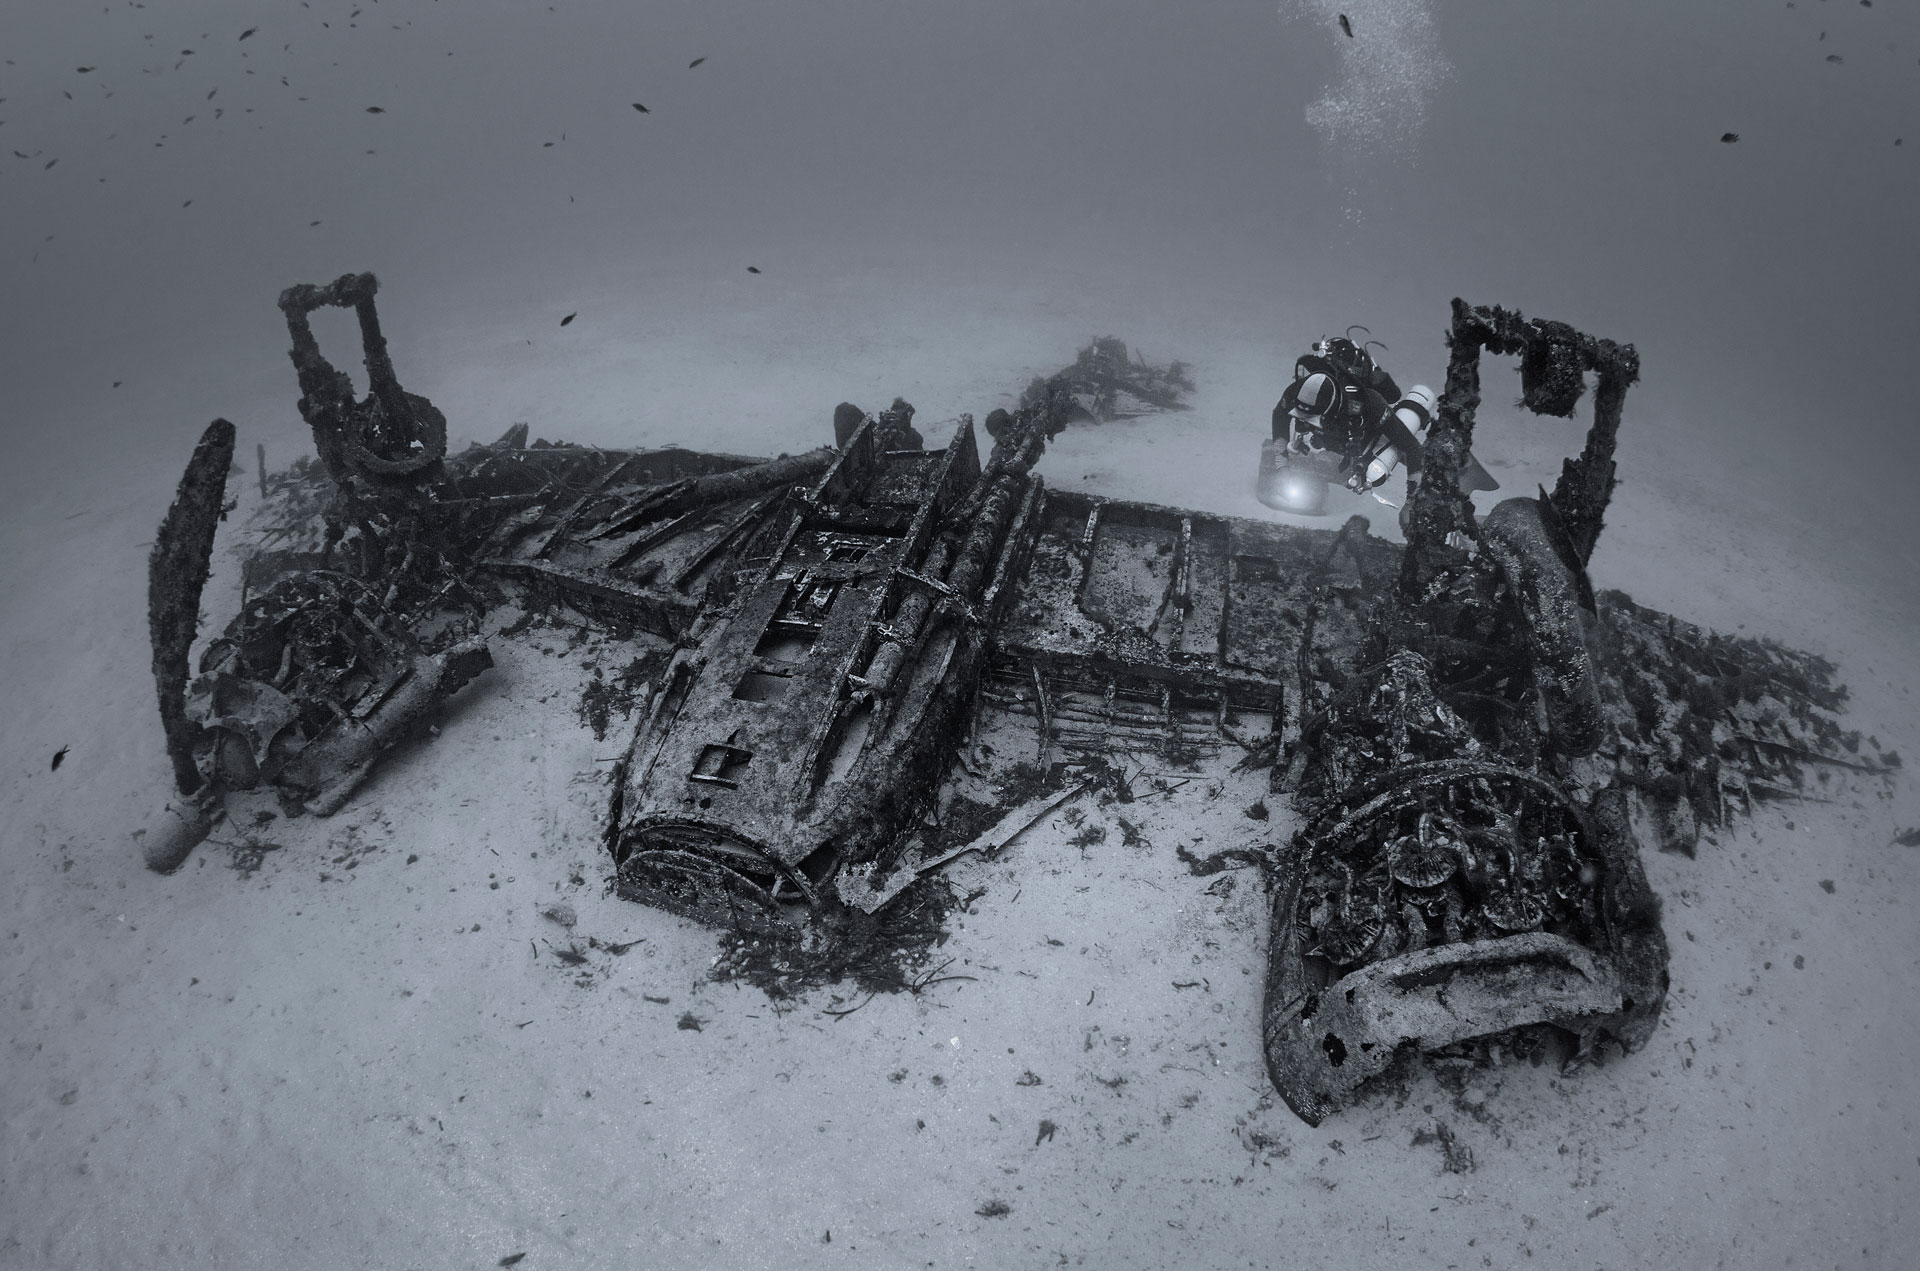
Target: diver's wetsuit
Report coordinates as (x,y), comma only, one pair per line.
(1364,414)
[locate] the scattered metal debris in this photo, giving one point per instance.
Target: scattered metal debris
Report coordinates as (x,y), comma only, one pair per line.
(1106,383)
(569,956)
(1468,731)
(1697,726)
(1008,828)
(1455,1157)
(604,695)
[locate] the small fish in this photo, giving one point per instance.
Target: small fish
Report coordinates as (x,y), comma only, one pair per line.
(48,164)
(118,383)
(1729,137)
(1346,26)
(695,62)
(311,224)
(511,1258)
(1835,57)
(58,756)
(188,203)
(211,92)
(753,269)
(376,110)
(249,31)
(642,109)
(82,70)
(569,318)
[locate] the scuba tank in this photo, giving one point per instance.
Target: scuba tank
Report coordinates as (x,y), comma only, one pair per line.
(1296,473)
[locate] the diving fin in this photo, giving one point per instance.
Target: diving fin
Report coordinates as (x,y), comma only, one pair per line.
(1474,478)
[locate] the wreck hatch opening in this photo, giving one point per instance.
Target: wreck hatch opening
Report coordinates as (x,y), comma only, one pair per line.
(819,863)
(1256,569)
(762,686)
(721,765)
(806,604)
(785,645)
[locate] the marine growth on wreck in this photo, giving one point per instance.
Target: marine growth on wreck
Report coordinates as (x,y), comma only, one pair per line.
(1473,739)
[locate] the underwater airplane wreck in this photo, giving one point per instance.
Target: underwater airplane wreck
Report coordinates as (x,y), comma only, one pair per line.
(1473,739)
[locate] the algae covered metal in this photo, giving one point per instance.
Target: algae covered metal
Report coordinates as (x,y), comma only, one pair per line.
(1450,887)
(1468,731)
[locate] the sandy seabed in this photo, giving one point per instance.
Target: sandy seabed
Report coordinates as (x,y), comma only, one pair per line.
(358,1050)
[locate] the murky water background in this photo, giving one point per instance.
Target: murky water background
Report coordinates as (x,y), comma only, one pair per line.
(986,182)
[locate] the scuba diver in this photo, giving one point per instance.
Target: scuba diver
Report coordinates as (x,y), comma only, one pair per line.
(1343,418)
(893,428)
